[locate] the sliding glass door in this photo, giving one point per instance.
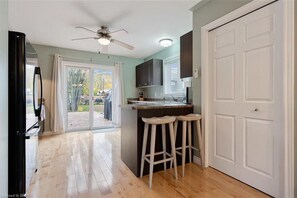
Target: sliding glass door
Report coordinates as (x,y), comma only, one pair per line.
(102,99)
(89,97)
(78,98)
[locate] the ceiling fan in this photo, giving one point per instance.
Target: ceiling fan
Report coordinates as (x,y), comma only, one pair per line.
(103,36)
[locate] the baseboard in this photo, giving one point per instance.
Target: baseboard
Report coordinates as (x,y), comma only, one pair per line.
(197,160)
(47,133)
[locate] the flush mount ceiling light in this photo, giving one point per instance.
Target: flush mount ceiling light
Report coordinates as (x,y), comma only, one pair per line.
(103,41)
(166,42)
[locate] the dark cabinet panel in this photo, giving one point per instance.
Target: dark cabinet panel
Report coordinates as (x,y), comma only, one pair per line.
(141,77)
(149,73)
(132,136)
(186,55)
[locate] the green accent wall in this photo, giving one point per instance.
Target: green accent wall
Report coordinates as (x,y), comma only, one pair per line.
(210,11)
(4,98)
(46,58)
(157,91)
(206,12)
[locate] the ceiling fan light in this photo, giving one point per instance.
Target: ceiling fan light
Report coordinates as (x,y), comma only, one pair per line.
(103,41)
(165,42)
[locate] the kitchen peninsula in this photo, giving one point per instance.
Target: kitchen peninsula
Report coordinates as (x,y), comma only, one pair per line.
(133,127)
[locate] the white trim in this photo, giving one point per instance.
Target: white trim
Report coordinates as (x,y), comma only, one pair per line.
(197,160)
(237,13)
(288,20)
(199,5)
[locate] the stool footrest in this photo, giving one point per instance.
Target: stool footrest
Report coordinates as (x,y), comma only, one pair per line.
(159,161)
(180,148)
(158,153)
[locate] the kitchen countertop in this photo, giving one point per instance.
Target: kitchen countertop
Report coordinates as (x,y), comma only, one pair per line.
(151,105)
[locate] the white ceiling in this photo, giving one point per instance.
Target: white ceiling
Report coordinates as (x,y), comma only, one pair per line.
(53,23)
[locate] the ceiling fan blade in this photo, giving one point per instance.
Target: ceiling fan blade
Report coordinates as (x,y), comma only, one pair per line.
(86,29)
(125,45)
(77,39)
(121,30)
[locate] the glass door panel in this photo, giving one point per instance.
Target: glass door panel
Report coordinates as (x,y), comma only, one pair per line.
(102,100)
(78,98)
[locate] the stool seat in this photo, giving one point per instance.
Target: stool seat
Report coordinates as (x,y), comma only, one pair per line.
(189,117)
(159,120)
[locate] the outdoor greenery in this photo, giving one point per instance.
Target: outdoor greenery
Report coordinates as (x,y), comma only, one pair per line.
(84,108)
(78,83)
(102,82)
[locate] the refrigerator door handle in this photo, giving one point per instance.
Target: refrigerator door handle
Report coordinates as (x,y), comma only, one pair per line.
(39,103)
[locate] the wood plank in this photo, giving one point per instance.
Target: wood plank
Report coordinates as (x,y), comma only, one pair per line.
(89,165)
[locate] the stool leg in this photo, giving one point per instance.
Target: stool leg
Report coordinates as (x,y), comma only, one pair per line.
(175,132)
(190,140)
(184,147)
(152,154)
(200,141)
(164,144)
(172,141)
(144,142)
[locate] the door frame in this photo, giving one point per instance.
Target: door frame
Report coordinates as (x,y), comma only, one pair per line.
(287,7)
(91,68)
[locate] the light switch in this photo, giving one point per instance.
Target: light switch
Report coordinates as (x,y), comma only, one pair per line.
(196,73)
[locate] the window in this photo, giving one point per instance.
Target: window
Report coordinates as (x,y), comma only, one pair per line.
(172,83)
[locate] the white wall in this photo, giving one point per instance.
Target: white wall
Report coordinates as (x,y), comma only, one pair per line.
(4,97)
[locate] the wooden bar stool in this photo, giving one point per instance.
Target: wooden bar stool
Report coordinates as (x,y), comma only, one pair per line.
(187,124)
(150,157)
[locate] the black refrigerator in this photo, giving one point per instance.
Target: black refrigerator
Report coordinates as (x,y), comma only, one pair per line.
(24,106)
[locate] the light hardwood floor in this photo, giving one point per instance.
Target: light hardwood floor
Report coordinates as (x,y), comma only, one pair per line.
(83,164)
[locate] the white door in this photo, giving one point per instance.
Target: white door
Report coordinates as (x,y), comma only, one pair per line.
(246,136)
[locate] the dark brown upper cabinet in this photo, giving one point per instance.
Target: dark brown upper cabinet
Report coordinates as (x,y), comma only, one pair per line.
(186,55)
(149,73)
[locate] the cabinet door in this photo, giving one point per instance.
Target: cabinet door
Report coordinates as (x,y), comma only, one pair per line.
(141,75)
(156,72)
(186,55)
(138,76)
(144,74)
(150,72)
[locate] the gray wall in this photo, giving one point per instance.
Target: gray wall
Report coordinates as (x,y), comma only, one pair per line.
(212,10)
(157,92)
(4,97)
(208,12)
(45,61)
